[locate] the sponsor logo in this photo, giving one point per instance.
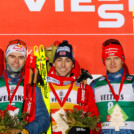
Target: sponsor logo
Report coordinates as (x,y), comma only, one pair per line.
(61,98)
(80,129)
(111,14)
(65,48)
(106,97)
(19,48)
(111,54)
(17,98)
(109,49)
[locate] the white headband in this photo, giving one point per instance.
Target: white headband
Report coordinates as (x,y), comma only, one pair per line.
(16,48)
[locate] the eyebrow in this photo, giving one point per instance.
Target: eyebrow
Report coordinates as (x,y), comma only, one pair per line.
(15,55)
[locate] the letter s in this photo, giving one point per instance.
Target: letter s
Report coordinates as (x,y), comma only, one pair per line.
(111,24)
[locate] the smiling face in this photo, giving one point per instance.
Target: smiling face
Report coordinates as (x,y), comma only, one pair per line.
(63,66)
(16,60)
(113,64)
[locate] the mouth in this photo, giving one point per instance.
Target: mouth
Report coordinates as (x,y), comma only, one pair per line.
(113,67)
(63,70)
(15,66)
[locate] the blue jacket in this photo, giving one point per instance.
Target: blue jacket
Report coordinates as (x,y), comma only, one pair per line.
(42,119)
(113,78)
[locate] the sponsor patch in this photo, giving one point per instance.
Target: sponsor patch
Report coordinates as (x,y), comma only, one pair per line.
(52,80)
(129,78)
(66,82)
(77,84)
(65,48)
(19,48)
(102,78)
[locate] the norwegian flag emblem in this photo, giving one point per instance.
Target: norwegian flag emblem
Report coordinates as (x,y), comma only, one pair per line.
(63,53)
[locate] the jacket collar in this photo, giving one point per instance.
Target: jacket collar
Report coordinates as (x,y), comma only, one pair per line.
(53,78)
(114,77)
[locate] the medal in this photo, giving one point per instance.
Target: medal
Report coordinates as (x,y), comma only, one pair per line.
(60,118)
(11,109)
(118,116)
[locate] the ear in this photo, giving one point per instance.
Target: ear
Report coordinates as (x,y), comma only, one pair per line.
(73,66)
(53,64)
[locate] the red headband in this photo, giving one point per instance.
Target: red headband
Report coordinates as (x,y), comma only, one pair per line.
(113,50)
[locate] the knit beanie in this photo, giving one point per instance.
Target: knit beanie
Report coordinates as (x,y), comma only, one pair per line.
(16,47)
(113,50)
(64,50)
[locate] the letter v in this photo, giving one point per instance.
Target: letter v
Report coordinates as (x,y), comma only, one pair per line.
(35,5)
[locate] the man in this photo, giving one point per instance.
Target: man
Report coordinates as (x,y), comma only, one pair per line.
(12,90)
(114,93)
(63,90)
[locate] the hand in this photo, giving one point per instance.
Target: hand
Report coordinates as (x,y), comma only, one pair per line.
(24,131)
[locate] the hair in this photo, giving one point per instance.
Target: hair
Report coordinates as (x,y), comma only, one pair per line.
(111,41)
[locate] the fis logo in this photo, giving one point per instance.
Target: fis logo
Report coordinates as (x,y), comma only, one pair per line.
(12,89)
(60,93)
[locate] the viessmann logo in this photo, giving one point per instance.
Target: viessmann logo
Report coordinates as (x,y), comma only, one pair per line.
(110,14)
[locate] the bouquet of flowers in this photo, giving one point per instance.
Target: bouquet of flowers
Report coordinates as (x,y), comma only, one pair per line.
(80,121)
(11,124)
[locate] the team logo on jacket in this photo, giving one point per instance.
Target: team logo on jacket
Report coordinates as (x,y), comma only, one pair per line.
(9,80)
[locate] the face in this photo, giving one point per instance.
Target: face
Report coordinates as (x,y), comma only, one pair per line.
(16,60)
(63,66)
(113,64)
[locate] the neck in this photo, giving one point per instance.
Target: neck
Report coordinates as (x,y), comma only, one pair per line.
(68,75)
(14,74)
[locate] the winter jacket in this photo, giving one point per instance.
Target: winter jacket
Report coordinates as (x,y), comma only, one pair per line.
(42,119)
(59,87)
(105,102)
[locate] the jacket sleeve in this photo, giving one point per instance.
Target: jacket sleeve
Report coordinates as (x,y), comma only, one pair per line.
(42,119)
(93,107)
(91,101)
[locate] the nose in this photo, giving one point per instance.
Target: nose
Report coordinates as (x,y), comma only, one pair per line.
(16,60)
(112,61)
(63,64)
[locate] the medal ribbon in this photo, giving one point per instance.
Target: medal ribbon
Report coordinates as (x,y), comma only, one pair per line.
(57,97)
(7,86)
(120,89)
